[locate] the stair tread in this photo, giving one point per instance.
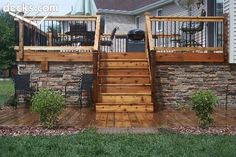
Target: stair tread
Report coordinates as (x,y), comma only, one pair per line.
(124,84)
(123,68)
(127,94)
(130,76)
(124,103)
(124,53)
(123,60)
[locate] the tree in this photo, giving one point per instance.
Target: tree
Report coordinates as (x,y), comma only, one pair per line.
(7,38)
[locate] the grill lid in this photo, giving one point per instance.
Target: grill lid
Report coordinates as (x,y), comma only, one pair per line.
(136,34)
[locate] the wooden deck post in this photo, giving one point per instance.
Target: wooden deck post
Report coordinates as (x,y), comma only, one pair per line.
(96,52)
(49,38)
(151,55)
(226,38)
(21,40)
(44,64)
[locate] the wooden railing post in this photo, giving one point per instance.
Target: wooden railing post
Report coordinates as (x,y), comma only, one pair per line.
(153,72)
(96,51)
(95,72)
(50,38)
(151,56)
(226,38)
(97,34)
(21,40)
(149,31)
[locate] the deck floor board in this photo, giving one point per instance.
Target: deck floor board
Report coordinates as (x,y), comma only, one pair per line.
(76,117)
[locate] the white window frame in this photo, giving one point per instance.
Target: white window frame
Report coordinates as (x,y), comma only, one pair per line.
(137,22)
(159,29)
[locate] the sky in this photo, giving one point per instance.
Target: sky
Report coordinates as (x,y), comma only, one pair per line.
(62,6)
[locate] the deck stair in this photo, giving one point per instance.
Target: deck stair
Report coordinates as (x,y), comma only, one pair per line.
(124,83)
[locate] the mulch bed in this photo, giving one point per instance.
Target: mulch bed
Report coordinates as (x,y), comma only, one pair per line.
(38,131)
(210,130)
(177,130)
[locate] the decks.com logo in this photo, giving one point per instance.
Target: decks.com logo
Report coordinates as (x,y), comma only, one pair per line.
(28,8)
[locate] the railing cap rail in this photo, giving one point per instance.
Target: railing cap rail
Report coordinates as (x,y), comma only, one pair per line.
(62,18)
(188,18)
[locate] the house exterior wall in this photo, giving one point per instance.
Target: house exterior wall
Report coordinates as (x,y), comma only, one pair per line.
(175,83)
(127,22)
(124,22)
(170,9)
(230,8)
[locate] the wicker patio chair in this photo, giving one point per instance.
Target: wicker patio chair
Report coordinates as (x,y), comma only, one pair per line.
(23,87)
(85,86)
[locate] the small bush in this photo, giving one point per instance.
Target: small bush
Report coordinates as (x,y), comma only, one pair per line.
(203,103)
(48,104)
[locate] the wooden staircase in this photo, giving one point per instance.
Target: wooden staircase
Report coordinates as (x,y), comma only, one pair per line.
(124,83)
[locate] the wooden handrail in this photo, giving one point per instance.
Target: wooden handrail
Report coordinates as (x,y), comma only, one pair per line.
(21,40)
(56,48)
(226,43)
(188,49)
(61,18)
(96,56)
(147,48)
(149,32)
(97,34)
(150,51)
(188,18)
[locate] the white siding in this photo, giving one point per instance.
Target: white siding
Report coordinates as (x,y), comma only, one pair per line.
(230,7)
(124,22)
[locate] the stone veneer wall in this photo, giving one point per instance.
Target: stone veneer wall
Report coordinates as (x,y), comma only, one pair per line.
(177,82)
(57,76)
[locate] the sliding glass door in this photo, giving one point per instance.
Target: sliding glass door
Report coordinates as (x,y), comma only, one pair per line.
(215,8)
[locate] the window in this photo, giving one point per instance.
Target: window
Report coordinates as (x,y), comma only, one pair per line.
(137,21)
(159,24)
(219,8)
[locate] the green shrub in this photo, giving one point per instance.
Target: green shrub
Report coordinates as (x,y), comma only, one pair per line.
(48,104)
(203,103)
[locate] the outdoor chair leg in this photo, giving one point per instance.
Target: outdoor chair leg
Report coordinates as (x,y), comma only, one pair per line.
(80,100)
(15,102)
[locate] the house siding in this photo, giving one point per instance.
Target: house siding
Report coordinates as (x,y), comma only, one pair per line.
(124,22)
(230,8)
(127,22)
(167,10)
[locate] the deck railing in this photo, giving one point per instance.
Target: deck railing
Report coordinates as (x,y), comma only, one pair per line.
(174,39)
(179,39)
(58,34)
(119,43)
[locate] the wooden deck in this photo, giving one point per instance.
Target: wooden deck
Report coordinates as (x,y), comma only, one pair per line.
(74,117)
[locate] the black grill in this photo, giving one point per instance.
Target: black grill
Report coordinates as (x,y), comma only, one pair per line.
(136,35)
(135,41)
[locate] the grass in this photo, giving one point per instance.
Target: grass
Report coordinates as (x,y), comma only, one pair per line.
(90,144)
(6,91)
